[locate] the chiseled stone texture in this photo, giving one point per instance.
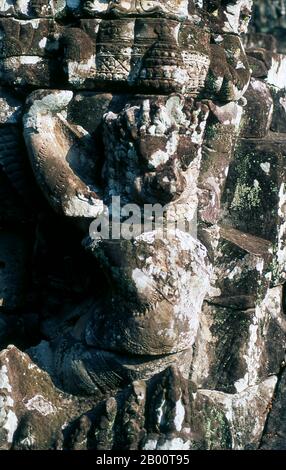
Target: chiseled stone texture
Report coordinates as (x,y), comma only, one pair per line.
(233,350)
(258,112)
(232,421)
(144,341)
(275,437)
(33,412)
(279,121)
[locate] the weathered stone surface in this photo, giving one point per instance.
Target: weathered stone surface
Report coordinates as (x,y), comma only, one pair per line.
(153,324)
(11,107)
(228,79)
(152,416)
(261,41)
(258,112)
(151,55)
(232,421)
(229,16)
(88,371)
(276,74)
(240,263)
(33,412)
(179,8)
(257,195)
(28,9)
(29,52)
(217,152)
(275,65)
(169,334)
(274,436)
(254,183)
(54,144)
(233,350)
(158,54)
(258,67)
(279,116)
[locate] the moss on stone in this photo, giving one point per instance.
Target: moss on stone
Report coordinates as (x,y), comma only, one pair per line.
(217,432)
(246,197)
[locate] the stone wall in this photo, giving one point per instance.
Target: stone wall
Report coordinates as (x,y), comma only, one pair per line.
(156,337)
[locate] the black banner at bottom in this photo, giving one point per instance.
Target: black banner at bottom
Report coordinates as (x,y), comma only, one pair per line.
(140,459)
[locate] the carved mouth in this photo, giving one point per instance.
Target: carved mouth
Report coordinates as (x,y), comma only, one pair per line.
(103,370)
(91,368)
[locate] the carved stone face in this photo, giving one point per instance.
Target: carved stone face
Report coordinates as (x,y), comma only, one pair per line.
(152,154)
(142,139)
(157,290)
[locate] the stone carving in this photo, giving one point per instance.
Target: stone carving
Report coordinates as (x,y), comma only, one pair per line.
(151,335)
(138,7)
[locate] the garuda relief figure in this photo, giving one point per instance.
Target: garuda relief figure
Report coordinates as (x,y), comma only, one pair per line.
(141,101)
